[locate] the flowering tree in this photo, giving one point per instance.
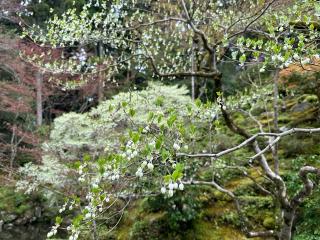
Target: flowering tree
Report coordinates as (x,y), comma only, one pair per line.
(159,37)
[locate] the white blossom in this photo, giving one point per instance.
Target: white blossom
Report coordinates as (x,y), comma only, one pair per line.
(150,166)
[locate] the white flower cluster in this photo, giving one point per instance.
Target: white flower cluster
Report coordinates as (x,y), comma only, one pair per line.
(146,163)
(131,150)
(81,56)
(139,172)
(63,208)
(25,3)
(74,233)
(146,129)
(176,146)
(111,174)
(53,231)
(80,171)
(91,212)
(169,189)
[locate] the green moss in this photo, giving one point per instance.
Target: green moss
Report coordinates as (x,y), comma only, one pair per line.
(258,201)
(311,99)
(22,208)
(217,210)
(148,229)
(239,183)
(269,222)
(13,202)
(207,231)
(221,196)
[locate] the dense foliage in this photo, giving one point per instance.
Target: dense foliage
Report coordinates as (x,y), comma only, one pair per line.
(251,153)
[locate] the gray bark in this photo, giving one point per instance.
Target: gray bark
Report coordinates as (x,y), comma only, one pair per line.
(275,118)
(39,98)
(193,77)
(100,53)
(286,229)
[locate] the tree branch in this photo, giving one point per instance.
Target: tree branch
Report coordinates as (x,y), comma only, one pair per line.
(308,185)
(203,36)
(251,139)
(212,74)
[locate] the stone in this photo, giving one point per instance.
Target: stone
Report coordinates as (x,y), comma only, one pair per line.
(301,107)
(8,218)
(8,226)
(1,225)
(37,212)
(21,221)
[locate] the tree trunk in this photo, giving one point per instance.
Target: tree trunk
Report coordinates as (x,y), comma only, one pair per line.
(39,98)
(193,70)
(275,119)
(13,153)
(100,53)
(286,229)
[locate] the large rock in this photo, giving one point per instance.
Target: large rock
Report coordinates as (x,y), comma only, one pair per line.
(21,221)
(301,107)
(8,218)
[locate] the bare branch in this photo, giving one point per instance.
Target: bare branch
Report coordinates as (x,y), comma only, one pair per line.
(254,20)
(253,138)
(308,185)
(203,36)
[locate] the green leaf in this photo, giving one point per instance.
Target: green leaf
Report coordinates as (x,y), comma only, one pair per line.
(189,108)
(110,108)
(58,220)
(132,112)
(135,137)
(243,58)
(159,101)
(311,27)
(179,167)
(150,116)
(192,129)
(160,118)
(102,161)
(182,129)
(159,142)
(86,157)
(147,150)
(167,178)
(95,190)
(171,120)
(165,155)
(176,175)
(77,220)
(76,165)
(198,102)
(124,104)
